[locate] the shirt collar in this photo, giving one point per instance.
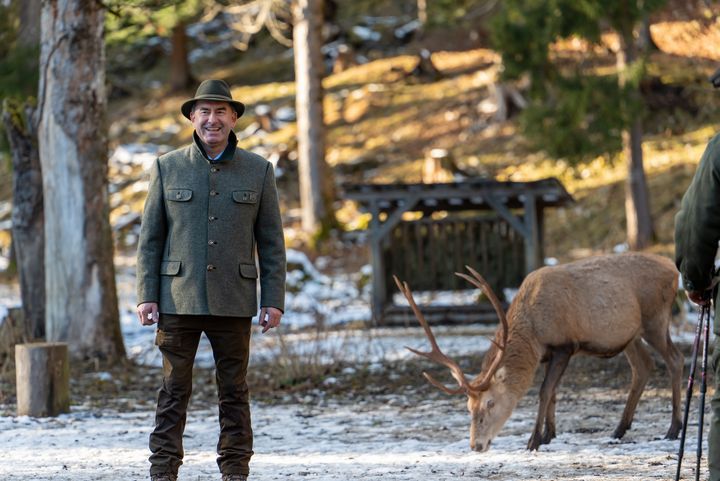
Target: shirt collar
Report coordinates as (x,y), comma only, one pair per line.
(226,154)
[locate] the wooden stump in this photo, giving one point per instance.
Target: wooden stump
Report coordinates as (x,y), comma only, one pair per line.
(43,379)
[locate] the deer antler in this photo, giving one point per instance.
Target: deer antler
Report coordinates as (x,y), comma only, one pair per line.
(478,281)
(435,354)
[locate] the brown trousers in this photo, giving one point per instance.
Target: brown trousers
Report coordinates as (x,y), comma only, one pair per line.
(178,337)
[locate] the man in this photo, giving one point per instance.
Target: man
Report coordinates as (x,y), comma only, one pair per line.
(697,232)
(210,207)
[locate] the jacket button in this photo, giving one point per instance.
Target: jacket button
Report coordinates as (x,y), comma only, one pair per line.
(214,192)
(210,267)
(212,242)
(214,169)
(212,218)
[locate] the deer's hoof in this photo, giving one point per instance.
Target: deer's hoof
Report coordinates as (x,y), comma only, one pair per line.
(674,430)
(534,442)
(619,432)
(547,436)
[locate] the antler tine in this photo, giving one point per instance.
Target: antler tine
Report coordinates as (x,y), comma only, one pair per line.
(435,354)
(478,281)
(432,380)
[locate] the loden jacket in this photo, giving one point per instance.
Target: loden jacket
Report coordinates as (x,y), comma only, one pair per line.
(697,224)
(202,224)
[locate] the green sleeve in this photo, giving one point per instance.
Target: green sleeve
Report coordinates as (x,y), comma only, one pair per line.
(153,231)
(270,245)
(697,225)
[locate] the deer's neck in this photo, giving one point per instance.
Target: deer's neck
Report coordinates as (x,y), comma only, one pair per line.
(522,357)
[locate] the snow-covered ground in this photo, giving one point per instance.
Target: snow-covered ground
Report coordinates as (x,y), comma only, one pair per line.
(390,439)
(401,436)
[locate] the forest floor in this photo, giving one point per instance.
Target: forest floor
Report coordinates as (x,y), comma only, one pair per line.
(377,421)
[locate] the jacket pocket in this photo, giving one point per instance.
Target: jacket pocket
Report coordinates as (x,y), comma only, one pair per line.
(179,195)
(169,268)
(248,271)
(245,196)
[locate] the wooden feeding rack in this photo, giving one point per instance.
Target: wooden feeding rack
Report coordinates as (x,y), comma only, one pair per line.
(494,227)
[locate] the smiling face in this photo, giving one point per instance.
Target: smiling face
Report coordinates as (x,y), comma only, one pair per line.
(213,122)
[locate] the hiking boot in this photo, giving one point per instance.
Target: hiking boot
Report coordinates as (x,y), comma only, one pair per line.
(234,477)
(163,477)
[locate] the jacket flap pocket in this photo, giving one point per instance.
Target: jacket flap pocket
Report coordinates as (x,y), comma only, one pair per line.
(169,268)
(245,196)
(179,195)
(248,271)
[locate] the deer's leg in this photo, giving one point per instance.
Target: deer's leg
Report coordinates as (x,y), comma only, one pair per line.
(674,362)
(641,364)
(557,363)
(549,433)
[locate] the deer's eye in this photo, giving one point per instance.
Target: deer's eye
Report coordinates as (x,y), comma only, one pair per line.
(490,404)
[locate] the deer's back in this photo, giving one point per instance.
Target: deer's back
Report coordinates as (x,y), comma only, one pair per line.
(599,303)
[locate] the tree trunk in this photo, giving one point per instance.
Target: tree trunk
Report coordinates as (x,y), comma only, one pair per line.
(29,28)
(316,185)
(82,306)
(180,75)
(27,216)
(43,379)
(640,231)
(645,36)
(422,12)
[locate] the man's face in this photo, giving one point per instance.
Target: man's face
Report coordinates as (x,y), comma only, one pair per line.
(213,121)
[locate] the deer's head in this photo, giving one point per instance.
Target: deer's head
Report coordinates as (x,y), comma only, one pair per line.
(489,402)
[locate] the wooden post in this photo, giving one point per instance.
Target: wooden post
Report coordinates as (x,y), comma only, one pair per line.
(533,259)
(43,379)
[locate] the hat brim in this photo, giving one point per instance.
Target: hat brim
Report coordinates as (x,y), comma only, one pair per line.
(186,107)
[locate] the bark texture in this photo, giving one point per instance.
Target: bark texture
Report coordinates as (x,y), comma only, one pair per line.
(82,307)
(180,74)
(316,186)
(27,215)
(640,231)
(43,379)
(29,28)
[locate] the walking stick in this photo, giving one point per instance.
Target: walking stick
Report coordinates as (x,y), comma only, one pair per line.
(703,387)
(688,392)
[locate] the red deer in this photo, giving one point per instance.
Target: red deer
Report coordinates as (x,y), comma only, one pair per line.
(599,306)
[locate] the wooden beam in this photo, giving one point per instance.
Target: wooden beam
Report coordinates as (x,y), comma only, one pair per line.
(533,259)
(378,232)
(394,218)
(513,220)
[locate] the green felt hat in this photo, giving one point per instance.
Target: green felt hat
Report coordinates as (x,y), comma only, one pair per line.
(216,91)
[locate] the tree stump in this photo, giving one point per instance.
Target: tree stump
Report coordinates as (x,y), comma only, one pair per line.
(43,379)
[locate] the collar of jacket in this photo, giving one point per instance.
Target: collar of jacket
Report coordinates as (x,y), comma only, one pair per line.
(227,154)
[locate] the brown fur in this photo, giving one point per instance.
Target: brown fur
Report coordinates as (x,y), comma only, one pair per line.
(599,306)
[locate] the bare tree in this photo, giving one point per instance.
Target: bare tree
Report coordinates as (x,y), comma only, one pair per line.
(82,306)
(640,230)
(305,19)
(29,27)
(181,76)
(27,215)
(315,185)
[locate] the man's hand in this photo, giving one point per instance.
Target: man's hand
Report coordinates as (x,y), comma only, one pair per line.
(701,298)
(148,313)
(269,318)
